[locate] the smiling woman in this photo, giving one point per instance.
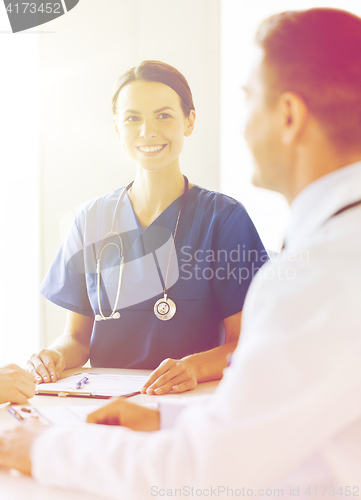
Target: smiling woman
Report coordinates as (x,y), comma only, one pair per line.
(130,304)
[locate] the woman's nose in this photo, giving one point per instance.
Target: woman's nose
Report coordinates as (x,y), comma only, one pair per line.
(147,130)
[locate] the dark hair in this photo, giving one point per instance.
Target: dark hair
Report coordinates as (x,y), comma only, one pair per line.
(317,54)
(156,71)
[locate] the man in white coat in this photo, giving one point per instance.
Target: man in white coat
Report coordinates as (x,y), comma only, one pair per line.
(286,418)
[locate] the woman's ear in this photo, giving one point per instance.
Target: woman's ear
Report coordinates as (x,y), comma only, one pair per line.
(115,123)
(190,123)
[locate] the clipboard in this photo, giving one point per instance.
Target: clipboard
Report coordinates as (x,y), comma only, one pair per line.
(99,386)
(64,394)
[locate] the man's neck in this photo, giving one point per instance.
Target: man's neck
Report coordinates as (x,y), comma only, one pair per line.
(316,164)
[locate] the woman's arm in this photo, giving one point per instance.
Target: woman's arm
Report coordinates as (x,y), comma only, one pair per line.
(69,351)
(209,365)
(183,374)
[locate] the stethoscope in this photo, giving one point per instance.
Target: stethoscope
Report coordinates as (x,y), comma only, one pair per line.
(164,308)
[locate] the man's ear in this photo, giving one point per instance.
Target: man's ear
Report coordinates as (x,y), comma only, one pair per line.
(293,114)
(190,123)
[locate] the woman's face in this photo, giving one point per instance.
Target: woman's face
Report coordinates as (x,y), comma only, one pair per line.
(151,124)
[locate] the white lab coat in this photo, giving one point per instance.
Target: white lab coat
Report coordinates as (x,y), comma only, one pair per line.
(287,413)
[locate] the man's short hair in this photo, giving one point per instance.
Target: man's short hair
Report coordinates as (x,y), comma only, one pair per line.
(317,54)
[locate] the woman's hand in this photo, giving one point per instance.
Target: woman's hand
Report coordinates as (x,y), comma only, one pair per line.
(176,375)
(16,385)
(179,375)
(46,366)
(15,445)
(122,412)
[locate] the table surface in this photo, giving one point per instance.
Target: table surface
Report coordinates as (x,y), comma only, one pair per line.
(15,486)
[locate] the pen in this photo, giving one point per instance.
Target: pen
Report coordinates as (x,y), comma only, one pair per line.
(26,410)
(15,414)
(81,382)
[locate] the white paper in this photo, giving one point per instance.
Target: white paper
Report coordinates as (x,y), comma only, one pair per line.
(63,415)
(98,384)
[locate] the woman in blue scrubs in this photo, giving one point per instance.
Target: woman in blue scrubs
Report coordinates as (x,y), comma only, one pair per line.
(153,275)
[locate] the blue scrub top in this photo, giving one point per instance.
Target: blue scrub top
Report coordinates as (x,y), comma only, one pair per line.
(218,251)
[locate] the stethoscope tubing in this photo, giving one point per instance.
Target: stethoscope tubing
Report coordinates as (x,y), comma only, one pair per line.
(114,314)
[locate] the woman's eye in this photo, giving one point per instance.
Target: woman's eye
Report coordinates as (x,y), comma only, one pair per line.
(132,119)
(164,116)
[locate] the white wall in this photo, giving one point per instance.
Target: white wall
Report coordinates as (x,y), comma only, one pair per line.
(19,197)
(80,61)
(269,211)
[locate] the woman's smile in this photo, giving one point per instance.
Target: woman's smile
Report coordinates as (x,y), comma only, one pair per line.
(151,149)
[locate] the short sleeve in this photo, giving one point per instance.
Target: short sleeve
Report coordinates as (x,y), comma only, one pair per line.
(65,282)
(238,255)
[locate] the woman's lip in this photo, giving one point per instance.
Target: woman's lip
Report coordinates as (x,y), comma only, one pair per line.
(151,149)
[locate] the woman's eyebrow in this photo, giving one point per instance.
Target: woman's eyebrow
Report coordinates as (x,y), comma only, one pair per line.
(163,109)
(133,111)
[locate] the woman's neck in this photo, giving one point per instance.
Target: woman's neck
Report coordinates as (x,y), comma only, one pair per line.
(152,192)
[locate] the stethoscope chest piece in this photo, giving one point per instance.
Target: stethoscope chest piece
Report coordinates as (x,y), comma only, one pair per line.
(164,309)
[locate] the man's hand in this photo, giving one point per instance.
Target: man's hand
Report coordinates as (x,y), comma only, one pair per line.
(46,366)
(16,385)
(15,445)
(177,375)
(122,412)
